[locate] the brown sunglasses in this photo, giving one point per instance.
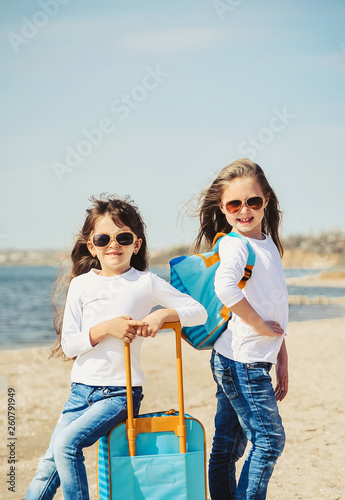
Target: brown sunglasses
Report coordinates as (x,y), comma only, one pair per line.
(234,206)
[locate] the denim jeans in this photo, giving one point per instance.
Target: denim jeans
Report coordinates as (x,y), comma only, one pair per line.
(246,411)
(89,413)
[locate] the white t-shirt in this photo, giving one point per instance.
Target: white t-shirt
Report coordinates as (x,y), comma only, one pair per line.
(266,292)
(92,299)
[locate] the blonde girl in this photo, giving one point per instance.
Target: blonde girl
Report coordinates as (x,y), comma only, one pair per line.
(241,200)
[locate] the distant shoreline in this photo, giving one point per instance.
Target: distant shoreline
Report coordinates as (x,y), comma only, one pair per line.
(325,251)
(334,269)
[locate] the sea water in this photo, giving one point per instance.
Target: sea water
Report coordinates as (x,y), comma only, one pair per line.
(26,313)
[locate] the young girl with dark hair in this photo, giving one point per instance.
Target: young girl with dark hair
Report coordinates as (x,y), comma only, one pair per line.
(109,302)
(241,200)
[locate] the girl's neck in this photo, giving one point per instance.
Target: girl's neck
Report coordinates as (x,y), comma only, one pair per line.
(109,274)
(259,236)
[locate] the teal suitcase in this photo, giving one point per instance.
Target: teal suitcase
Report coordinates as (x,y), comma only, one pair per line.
(157,456)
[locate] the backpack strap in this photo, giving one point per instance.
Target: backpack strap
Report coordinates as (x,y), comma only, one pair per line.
(251,255)
(209,259)
(218,237)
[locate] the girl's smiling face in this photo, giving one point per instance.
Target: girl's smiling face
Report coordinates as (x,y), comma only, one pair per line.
(114,258)
(246,221)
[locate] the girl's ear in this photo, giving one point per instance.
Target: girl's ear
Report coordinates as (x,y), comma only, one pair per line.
(137,245)
(222,208)
(91,248)
(267,199)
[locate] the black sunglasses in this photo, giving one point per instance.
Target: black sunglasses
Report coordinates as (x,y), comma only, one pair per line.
(123,238)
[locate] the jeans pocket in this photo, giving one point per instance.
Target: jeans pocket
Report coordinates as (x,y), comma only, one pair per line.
(76,399)
(222,375)
(225,381)
(259,374)
(260,382)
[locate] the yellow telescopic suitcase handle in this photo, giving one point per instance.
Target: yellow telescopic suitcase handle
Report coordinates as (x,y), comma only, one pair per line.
(181,429)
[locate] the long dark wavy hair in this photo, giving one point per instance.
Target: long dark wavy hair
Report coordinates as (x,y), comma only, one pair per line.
(213,221)
(123,212)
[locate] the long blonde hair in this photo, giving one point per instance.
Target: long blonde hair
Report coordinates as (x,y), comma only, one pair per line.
(213,221)
(123,212)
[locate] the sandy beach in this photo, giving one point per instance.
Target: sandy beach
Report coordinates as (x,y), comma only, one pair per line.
(312,465)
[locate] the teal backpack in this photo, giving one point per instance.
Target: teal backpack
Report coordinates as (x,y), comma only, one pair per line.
(194,275)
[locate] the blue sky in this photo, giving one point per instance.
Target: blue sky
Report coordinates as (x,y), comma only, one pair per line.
(153,98)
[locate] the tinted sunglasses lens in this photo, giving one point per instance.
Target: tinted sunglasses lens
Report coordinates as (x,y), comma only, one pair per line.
(255,203)
(125,239)
(233,206)
(101,240)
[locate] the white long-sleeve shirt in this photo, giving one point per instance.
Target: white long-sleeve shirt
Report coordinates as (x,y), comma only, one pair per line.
(92,299)
(266,292)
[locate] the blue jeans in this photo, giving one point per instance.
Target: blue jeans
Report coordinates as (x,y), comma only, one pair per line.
(90,413)
(246,411)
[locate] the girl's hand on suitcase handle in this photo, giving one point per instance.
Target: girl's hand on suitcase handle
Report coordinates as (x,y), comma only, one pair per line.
(124,328)
(156,319)
(154,324)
